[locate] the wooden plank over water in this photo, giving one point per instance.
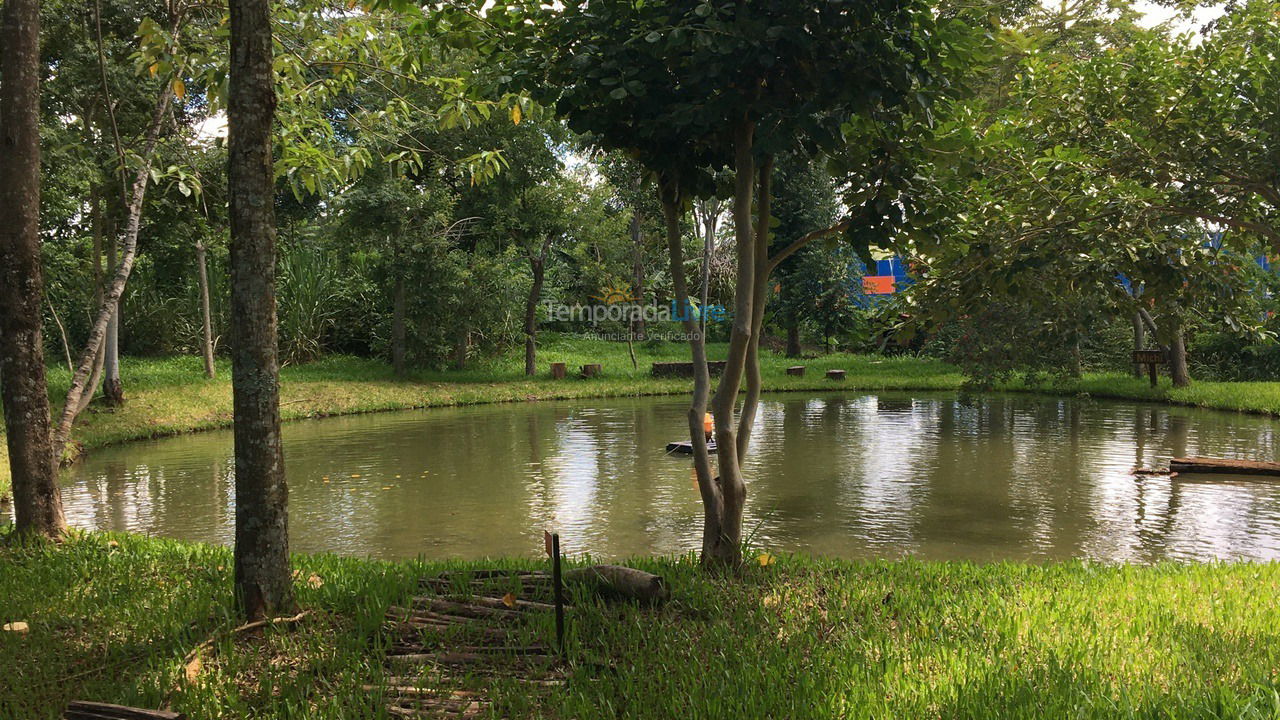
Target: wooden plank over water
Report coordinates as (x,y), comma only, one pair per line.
(1223,466)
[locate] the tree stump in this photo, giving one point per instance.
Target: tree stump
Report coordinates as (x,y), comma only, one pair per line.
(835,374)
(796,371)
(591,370)
(558,371)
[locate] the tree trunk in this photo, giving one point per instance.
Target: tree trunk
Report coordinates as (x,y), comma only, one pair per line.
(538,267)
(263,584)
(98,222)
(708,486)
(759,293)
(1139,341)
(112,388)
(793,338)
(727,550)
(1077,357)
(637,272)
(37,499)
(206,316)
(1175,352)
(710,219)
(398,311)
(111,296)
(1178,358)
(460,349)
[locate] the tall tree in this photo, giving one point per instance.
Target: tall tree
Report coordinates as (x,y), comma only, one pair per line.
(689,88)
(37,499)
(805,199)
(263,582)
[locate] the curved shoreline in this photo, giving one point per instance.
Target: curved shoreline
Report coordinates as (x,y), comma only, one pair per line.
(168,410)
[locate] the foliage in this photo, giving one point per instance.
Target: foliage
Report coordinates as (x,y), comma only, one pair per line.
(1090,162)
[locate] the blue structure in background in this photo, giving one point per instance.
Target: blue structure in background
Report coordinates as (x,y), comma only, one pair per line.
(888,276)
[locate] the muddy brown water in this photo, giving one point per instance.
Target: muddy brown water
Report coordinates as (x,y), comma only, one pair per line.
(854,475)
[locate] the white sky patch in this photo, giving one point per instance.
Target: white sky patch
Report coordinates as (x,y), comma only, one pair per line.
(212,128)
(1201,16)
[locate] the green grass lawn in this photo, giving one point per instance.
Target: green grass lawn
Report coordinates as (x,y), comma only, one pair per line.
(112,616)
(167,396)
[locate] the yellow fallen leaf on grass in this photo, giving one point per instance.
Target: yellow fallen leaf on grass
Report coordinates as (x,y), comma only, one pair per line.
(509,600)
(765,559)
(192,670)
(315,581)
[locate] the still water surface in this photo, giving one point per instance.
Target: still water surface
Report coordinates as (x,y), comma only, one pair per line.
(932,475)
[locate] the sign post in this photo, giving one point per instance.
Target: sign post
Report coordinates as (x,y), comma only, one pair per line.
(1150,358)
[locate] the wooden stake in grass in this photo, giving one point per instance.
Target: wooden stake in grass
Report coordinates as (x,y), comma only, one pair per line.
(552,543)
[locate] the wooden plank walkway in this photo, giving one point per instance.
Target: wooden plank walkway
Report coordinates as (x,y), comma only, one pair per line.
(467,626)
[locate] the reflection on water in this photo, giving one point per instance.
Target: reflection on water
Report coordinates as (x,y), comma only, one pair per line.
(932,475)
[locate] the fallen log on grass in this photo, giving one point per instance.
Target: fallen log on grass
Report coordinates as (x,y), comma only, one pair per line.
(1223,466)
(622,582)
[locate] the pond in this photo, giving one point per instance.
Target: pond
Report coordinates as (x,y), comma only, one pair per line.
(932,475)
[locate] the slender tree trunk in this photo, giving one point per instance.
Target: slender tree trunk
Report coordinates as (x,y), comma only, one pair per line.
(398,312)
(793,338)
(263,584)
(537,265)
(206,315)
(460,349)
(112,388)
(99,221)
(111,296)
(759,293)
(727,550)
(1139,341)
(1077,358)
(708,485)
(1175,352)
(637,271)
(62,334)
(37,500)
(1178,369)
(710,219)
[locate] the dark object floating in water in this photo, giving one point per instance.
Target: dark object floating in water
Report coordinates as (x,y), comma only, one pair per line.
(1221,466)
(1150,472)
(685,447)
